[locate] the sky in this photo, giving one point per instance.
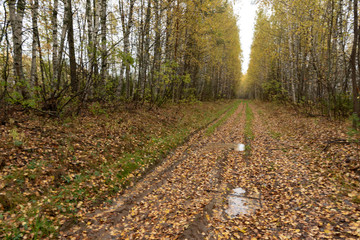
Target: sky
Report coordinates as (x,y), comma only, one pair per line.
(246,19)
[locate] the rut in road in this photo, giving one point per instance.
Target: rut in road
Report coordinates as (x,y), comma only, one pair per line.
(166,202)
(306,188)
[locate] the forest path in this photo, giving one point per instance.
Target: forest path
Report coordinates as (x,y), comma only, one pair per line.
(187,195)
(167,200)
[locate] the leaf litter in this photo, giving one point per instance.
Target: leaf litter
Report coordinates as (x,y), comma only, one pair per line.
(305,178)
(55,171)
(301,191)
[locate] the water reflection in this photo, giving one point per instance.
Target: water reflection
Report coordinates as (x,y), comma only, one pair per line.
(242,203)
(240,147)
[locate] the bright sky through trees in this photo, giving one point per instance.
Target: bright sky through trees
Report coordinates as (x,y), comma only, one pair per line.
(246,12)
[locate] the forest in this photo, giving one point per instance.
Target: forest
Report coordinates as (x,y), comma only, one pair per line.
(307,52)
(58,54)
(135,119)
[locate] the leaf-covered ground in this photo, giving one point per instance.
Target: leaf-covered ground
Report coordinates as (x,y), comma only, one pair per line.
(80,178)
(52,171)
(304,170)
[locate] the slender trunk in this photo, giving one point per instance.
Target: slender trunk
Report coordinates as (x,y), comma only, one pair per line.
(126,32)
(291,70)
(60,54)
(146,49)
(122,69)
(95,37)
(55,58)
(355,87)
(89,27)
(168,31)
(73,74)
(140,53)
(35,33)
(103,40)
(157,44)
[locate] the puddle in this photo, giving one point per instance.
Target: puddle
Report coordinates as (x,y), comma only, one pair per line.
(234,146)
(240,147)
(242,203)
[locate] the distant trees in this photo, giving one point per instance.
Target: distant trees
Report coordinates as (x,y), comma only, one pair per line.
(137,50)
(307,52)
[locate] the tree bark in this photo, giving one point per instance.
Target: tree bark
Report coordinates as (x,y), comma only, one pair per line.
(146,49)
(35,36)
(73,74)
(157,44)
(55,58)
(355,87)
(17,12)
(103,13)
(60,54)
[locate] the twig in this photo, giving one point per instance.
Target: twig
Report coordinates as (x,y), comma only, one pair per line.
(337,141)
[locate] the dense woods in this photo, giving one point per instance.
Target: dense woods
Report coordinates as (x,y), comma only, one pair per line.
(307,52)
(117,120)
(60,53)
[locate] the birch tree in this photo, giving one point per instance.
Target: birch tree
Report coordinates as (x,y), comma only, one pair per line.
(17,11)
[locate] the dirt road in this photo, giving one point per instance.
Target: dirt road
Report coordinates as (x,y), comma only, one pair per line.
(284,170)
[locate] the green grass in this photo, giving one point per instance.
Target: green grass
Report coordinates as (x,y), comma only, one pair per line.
(249,135)
(230,111)
(275,135)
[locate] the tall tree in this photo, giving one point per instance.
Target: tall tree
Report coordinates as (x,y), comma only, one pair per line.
(17,11)
(126,26)
(73,73)
(354,59)
(55,58)
(103,15)
(35,37)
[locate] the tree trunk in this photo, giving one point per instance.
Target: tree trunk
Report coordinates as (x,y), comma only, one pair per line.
(291,70)
(103,14)
(126,32)
(16,21)
(88,17)
(73,74)
(355,87)
(55,58)
(35,36)
(146,50)
(157,44)
(95,38)
(64,31)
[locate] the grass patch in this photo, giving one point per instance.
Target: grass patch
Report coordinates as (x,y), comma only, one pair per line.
(275,135)
(230,111)
(249,135)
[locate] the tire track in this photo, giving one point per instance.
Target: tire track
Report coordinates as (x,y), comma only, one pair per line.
(170,196)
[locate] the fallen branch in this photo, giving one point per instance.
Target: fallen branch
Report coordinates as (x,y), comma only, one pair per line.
(338,141)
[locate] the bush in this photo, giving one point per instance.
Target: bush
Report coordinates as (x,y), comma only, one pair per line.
(273,91)
(96,109)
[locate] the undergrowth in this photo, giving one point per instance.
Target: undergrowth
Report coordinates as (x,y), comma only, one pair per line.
(53,189)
